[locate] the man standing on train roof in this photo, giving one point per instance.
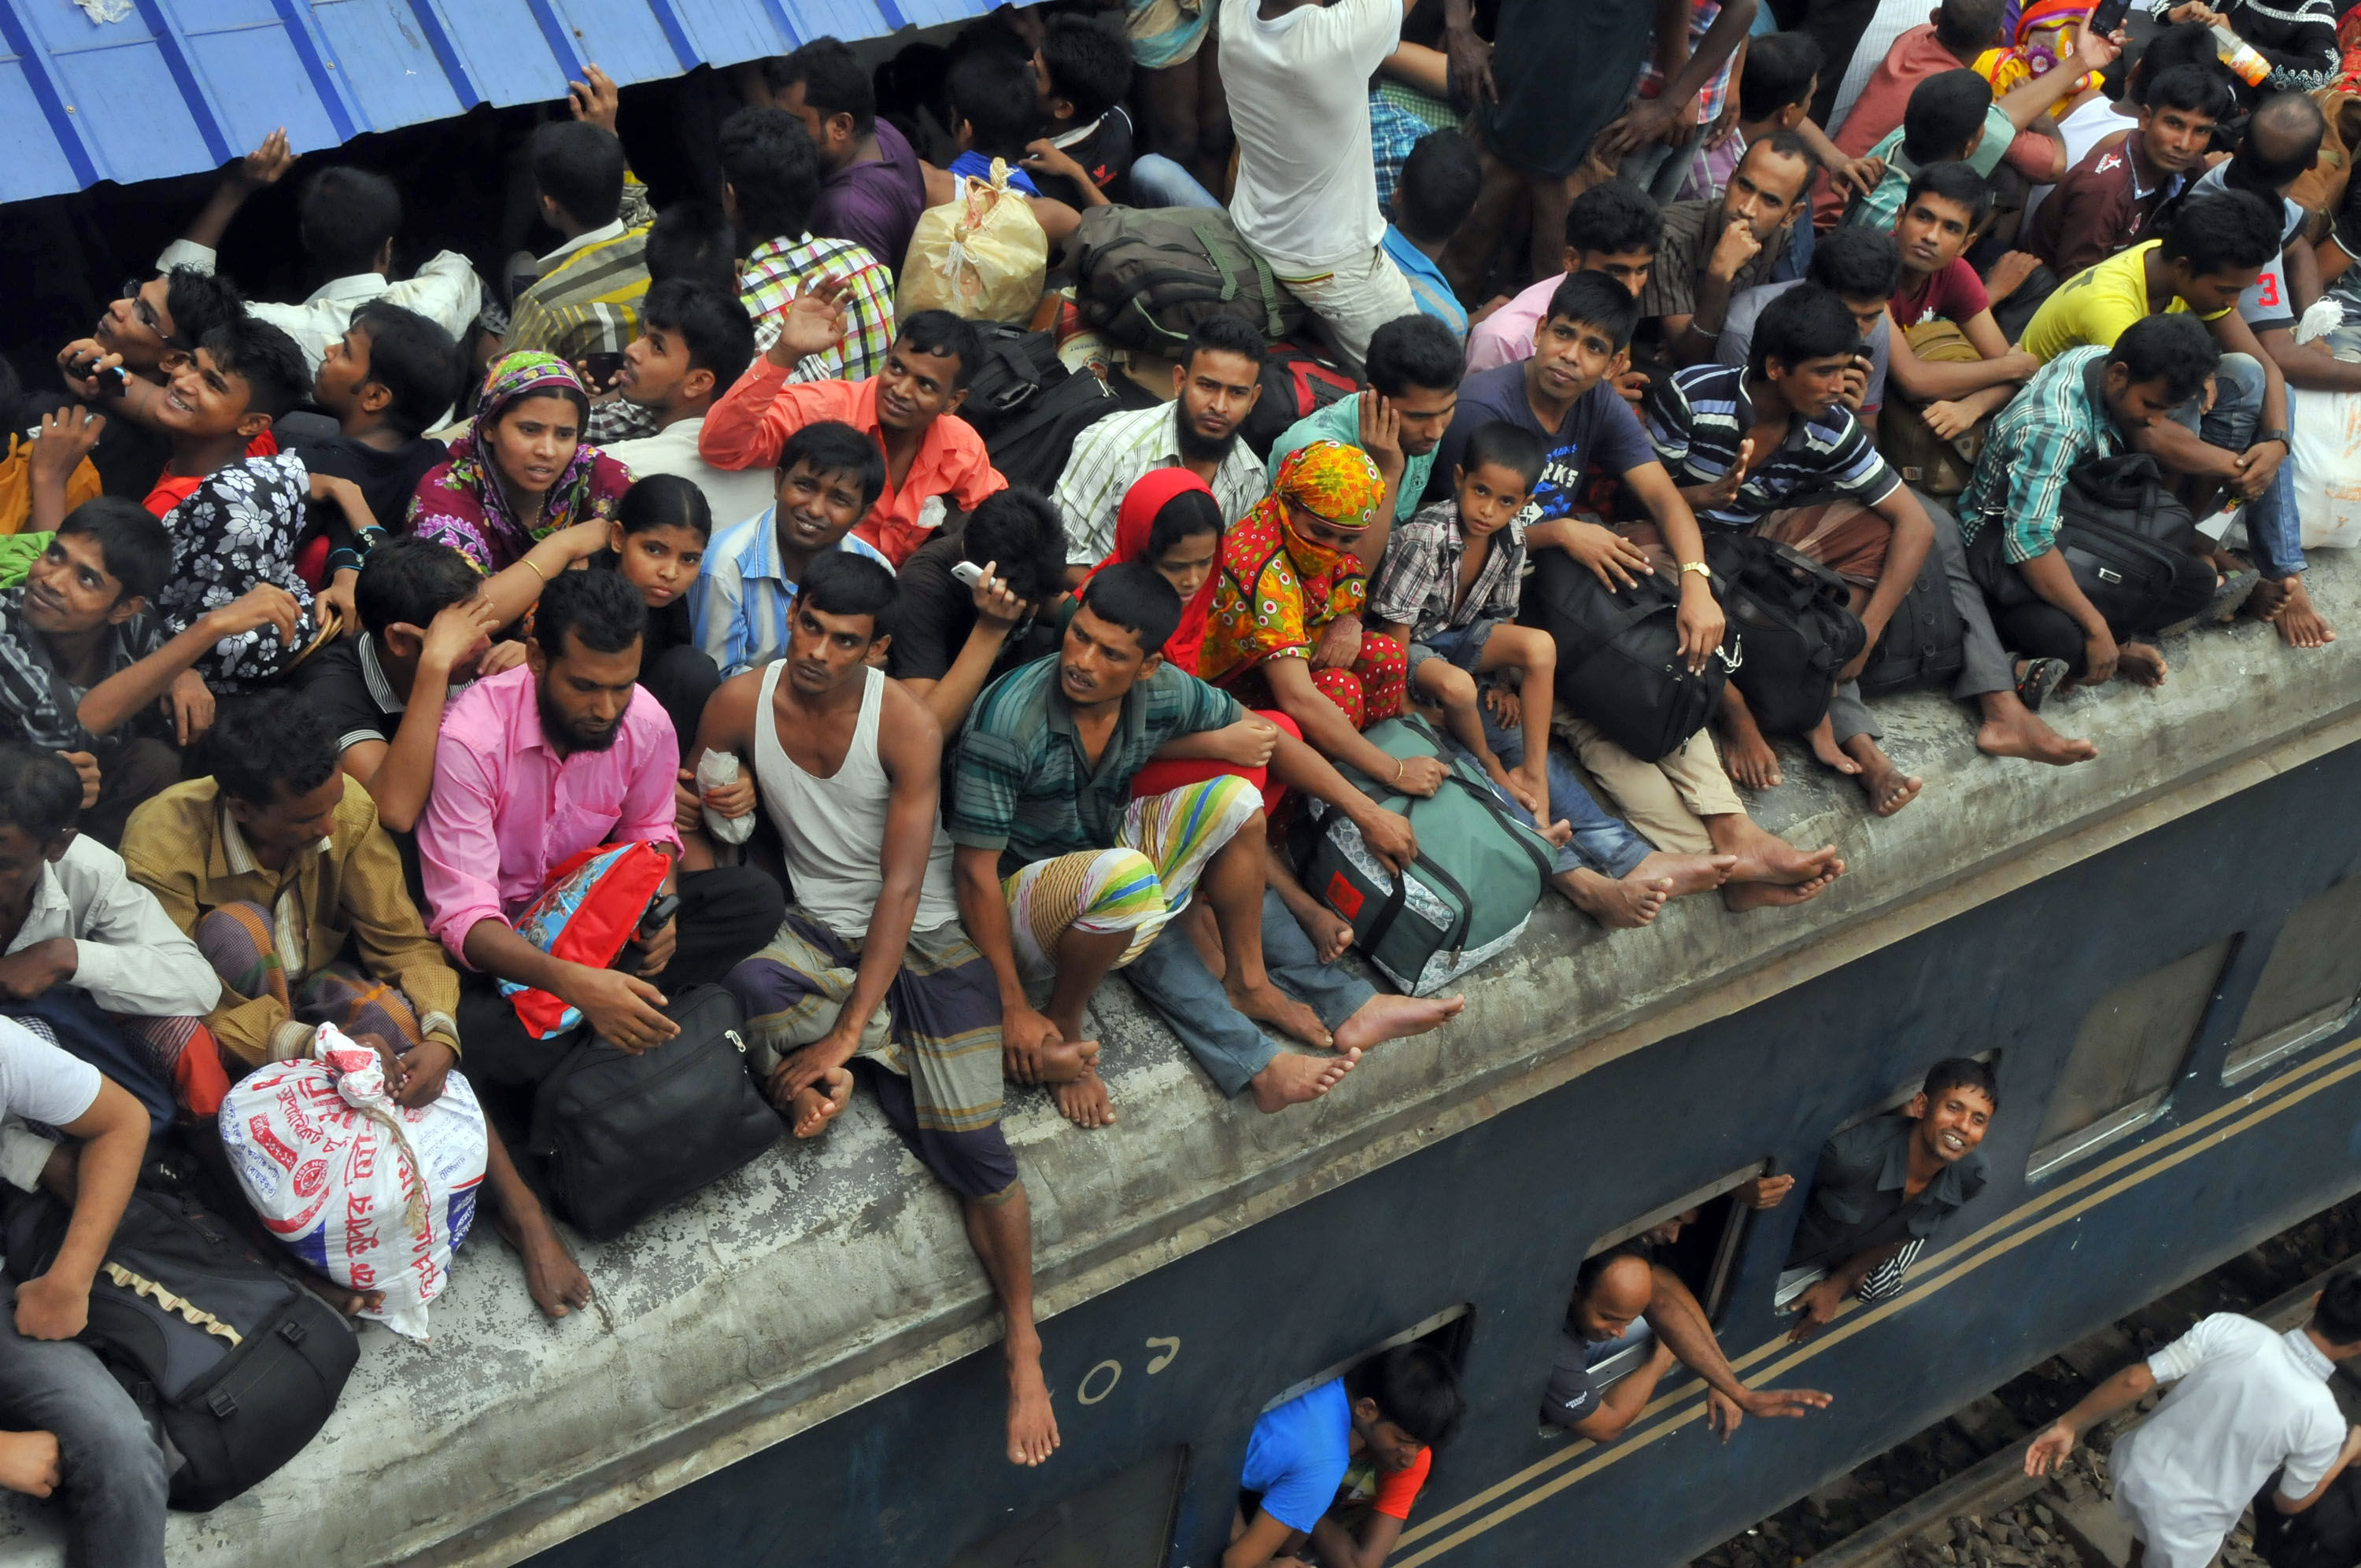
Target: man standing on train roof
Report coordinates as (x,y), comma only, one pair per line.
(1884,1187)
(2246,1402)
(1623,1299)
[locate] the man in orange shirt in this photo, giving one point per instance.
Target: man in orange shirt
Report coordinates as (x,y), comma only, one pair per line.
(910,410)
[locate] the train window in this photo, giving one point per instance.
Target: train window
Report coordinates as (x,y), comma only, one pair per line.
(2309,985)
(1124,1521)
(1448,1331)
(1696,1236)
(2127,1056)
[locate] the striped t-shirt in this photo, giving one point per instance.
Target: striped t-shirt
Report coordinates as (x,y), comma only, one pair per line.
(1697,417)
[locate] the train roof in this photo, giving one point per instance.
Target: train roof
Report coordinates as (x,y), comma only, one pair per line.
(823,1275)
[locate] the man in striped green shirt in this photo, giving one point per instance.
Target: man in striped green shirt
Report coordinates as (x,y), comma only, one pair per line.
(586,300)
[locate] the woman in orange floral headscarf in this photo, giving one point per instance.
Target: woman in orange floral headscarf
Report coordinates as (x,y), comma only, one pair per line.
(1288,573)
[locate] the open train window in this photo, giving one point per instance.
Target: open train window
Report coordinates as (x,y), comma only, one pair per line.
(2127,1056)
(1448,1331)
(2308,987)
(1124,1521)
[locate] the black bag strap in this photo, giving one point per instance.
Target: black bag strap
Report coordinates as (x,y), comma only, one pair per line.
(1218,241)
(1457,938)
(1043,411)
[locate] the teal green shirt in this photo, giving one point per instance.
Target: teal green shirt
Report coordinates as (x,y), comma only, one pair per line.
(1341,420)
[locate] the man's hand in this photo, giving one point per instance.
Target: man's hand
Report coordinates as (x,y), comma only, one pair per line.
(1725,125)
(1612,559)
(1815,1309)
(619,1008)
(1381,436)
(1420,777)
(38,968)
(1766,1191)
(1043,156)
(596,100)
(1948,419)
(88,372)
(191,701)
(658,948)
(1722,1413)
(424,1068)
(1507,705)
(338,596)
(1248,743)
(500,656)
(28,1463)
(996,605)
(50,1308)
(732,800)
(813,323)
(1732,251)
(265,604)
(67,436)
(2013,269)
(2099,656)
(1646,121)
(1701,620)
(456,630)
(1339,645)
(2048,1450)
(1857,178)
(1772,1404)
(2095,51)
(1025,1037)
(1724,490)
(1389,838)
(802,1069)
(265,166)
(2258,466)
(2194,11)
(1470,64)
(86,765)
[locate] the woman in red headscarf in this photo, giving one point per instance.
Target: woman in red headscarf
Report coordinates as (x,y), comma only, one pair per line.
(1170,520)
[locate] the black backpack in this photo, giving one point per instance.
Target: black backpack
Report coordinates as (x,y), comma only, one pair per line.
(235,1363)
(1018,367)
(1147,276)
(1297,383)
(1619,655)
(1924,645)
(1031,447)
(1793,624)
(2124,537)
(626,1135)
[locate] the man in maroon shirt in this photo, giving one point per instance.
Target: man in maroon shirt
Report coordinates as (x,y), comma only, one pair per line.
(2111,194)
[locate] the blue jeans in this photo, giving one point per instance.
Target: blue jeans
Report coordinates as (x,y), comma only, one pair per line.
(114,1471)
(1173,981)
(2272,526)
(1158,182)
(1604,843)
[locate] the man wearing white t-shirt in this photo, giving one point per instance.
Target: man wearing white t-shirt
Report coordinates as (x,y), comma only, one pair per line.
(1297,73)
(2246,1402)
(73,1425)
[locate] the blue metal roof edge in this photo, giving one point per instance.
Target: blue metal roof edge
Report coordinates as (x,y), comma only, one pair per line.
(131,90)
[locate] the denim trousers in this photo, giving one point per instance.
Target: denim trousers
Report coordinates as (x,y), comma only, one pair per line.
(1158,182)
(112,1466)
(2272,526)
(1605,843)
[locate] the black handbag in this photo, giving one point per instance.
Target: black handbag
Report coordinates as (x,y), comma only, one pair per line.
(1619,655)
(626,1135)
(228,1358)
(1793,618)
(2125,537)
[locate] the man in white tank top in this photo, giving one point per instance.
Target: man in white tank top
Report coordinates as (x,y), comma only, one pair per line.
(871,972)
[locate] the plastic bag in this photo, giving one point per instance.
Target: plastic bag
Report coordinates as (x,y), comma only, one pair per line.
(714,769)
(372,1195)
(982,255)
(2326,452)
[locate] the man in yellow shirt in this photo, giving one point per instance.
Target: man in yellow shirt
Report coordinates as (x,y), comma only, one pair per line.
(2213,251)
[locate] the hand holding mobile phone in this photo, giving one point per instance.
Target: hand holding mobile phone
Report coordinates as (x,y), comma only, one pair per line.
(967,572)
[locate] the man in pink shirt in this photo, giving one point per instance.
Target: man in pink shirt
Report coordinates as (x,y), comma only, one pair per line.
(910,410)
(1953,36)
(1613,228)
(561,754)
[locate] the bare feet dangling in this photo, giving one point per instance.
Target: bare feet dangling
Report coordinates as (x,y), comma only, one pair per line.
(1266,1003)
(1388,1017)
(1294,1079)
(1084,1100)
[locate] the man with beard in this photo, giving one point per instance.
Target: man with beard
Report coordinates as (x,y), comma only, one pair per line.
(829,476)
(533,765)
(1214,387)
(871,972)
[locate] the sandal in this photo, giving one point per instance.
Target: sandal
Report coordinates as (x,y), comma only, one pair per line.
(2041,677)
(2230,593)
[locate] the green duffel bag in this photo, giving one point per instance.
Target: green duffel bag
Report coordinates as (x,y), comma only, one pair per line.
(1480,869)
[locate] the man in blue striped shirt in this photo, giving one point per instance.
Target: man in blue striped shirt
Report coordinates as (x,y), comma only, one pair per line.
(829,476)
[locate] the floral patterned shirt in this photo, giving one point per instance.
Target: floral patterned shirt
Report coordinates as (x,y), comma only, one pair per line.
(237,529)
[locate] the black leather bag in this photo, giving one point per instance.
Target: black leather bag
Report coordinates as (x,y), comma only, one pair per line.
(1793,618)
(1924,645)
(2125,539)
(1619,655)
(239,1372)
(626,1134)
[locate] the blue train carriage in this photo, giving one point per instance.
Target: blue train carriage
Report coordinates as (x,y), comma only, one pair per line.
(2158,950)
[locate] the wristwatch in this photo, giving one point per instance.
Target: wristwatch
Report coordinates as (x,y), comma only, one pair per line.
(2279,436)
(1700,567)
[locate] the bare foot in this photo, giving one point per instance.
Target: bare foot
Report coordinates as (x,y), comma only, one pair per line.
(1687,873)
(1084,1100)
(1032,1425)
(1740,897)
(1062,1063)
(2011,729)
(552,1277)
(2141,664)
(1330,932)
(2300,624)
(28,1463)
(1825,750)
(1763,857)
(1747,755)
(1622,905)
(350,1303)
(1266,1003)
(1888,787)
(810,1108)
(1387,1017)
(1293,1079)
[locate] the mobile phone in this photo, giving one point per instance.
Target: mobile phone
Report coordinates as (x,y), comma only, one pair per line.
(600,369)
(111,380)
(659,914)
(967,572)
(2108,16)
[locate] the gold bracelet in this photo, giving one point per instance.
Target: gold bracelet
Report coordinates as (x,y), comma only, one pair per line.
(536,571)
(1399,764)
